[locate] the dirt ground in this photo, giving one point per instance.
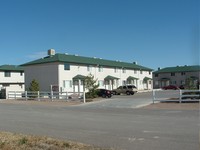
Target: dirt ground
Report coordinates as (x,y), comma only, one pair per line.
(174,106)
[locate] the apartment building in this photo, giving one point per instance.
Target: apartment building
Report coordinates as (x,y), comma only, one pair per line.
(64,72)
(176,75)
(11,78)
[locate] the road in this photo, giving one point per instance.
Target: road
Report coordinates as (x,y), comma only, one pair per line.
(106,126)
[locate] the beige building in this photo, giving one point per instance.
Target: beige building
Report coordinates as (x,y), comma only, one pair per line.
(176,76)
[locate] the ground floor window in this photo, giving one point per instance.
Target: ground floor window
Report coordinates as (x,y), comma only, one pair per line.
(67,83)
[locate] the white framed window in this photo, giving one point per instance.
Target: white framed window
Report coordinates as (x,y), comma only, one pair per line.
(89,68)
(7,74)
(135,71)
(67,84)
(124,82)
(141,72)
(101,83)
(116,69)
(124,70)
(66,66)
(100,68)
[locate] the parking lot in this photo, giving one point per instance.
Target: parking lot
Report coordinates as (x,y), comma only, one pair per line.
(118,122)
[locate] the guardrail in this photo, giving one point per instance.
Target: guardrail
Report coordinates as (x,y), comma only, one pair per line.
(175,95)
(29,95)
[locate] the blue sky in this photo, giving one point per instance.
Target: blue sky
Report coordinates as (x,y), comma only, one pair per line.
(155,33)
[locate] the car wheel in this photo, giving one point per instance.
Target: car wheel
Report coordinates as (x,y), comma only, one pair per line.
(127,93)
(132,93)
(109,96)
(104,96)
(114,93)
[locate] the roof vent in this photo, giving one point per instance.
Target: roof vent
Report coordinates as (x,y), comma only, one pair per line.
(51,52)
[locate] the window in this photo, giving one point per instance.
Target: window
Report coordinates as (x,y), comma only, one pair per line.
(100,69)
(116,69)
(101,83)
(66,66)
(182,73)
(149,72)
(7,74)
(141,72)
(124,82)
(124,70)
(156,75)
(21,73)
(67,83)
(172,74)
(89,68)
(135,71)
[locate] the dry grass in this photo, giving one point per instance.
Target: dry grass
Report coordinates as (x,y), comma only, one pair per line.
(174,106)
(11,141)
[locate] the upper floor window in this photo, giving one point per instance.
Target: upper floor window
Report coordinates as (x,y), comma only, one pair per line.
(21,73)
(141,72)
(149,72)
(135,71)
(124,70)
(172,74)
(100,69)
(66,66)
(7,74)
(182,73)
(89,68)
(116,69)
(156,75)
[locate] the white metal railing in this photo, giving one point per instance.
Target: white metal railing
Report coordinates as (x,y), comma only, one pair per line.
(29,95)
(175,95)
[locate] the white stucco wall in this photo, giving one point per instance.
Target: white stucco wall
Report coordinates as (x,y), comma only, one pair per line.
(13,83)
(83,70)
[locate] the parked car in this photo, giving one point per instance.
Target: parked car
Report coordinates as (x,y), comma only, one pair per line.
(170,87)
(126,89)
(104,93)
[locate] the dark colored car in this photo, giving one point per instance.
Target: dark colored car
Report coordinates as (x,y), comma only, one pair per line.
(104,93)
(170,87)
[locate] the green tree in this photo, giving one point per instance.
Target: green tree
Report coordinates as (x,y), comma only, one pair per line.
(190,84)
(91,85)
(34,86)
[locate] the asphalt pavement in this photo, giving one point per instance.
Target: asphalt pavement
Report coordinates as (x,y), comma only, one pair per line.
(107,125)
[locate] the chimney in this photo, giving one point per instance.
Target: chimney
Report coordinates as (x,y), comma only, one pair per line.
(51,52)
(159,68)
(135,62)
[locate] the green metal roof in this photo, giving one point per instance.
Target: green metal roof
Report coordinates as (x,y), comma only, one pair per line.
(79,77)
(65,58)
(146,79)
(179,69)
(11,68)
(132,78)
(110,78)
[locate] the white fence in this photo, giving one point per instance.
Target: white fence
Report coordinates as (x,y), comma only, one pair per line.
(176,95)
(29,95)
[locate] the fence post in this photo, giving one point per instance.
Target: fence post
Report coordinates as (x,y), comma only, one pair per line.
(66,95)
(15,95)
(38,94)
(180,96)
(26,97)
(84,97)
(153,95)
(51,95)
